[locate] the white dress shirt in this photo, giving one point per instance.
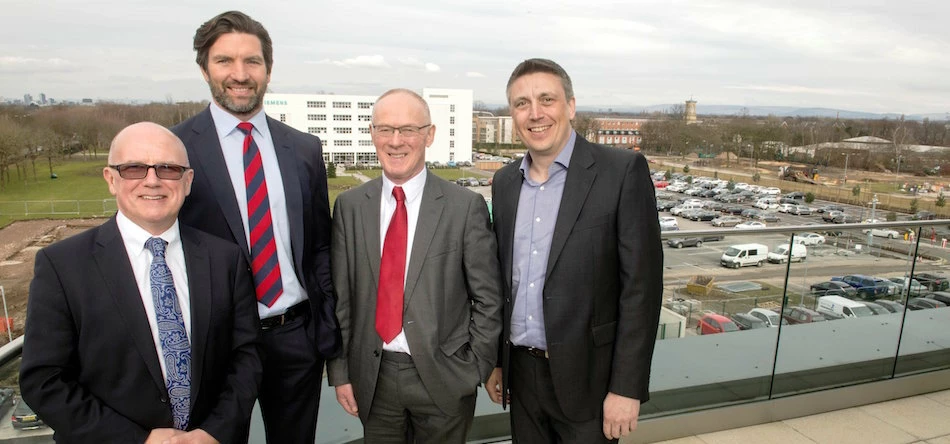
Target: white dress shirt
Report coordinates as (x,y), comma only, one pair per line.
(232,145)
(387,206)
(134,238)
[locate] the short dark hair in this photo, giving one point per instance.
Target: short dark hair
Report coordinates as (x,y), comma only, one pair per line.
(226,22)
(532,66)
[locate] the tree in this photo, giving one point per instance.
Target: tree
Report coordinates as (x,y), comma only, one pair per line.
(941,201)
(914,204)
(669,174)
(756,177)
(731,185)
(856,191)
(686,168)
(331,170)
(809,197)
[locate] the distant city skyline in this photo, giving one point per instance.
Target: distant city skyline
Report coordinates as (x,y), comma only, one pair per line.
(870,56)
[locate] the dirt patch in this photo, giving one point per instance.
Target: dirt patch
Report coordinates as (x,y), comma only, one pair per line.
(19,243)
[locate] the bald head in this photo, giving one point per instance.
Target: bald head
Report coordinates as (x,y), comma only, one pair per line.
(403,92)
(143,133)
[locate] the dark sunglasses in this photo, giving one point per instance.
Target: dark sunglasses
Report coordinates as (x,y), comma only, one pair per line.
(164,171)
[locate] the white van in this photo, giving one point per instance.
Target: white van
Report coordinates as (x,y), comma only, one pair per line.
(780,255)
(744,254)
(839,307)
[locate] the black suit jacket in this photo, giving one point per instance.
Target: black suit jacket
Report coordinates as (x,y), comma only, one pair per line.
(603,290)
(212,207)
(90,367)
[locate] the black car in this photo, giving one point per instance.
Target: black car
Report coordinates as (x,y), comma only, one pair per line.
(733,209)
(748,322)
(845,218)
(827,208)
(924,303)
(941,296)
(834,288)
(796,195)
(932,281)
(680,242)
(891,306)
(924,215)
(665,205)
(749,213)
(703,215)
(24,417)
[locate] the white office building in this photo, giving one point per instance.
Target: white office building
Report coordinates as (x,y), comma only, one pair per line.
(342,123)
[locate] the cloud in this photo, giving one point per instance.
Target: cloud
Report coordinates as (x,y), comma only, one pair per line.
(412,62)
(432,67)
(474,74)
(364,61)
(13,64)
(798,89)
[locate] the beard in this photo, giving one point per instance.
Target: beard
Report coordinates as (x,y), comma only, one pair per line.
(220,94)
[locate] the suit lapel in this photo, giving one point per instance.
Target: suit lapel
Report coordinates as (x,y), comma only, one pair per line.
(430,213)
(199,289)
(580,177)
(112,260)
(369,213)
(506,202)
(209,162)
(290,177)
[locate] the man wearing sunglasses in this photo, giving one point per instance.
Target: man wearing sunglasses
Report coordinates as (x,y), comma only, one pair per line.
(142,329)
(263,185)
(418,287)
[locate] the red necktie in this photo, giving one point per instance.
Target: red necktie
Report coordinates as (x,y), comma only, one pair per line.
(392,272)
(264,265)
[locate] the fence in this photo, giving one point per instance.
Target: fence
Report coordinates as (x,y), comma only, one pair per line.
(103,207)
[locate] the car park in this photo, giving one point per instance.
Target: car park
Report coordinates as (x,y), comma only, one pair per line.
(846,308)
(877,309)
(693,241)
(833,288)
(748,322)
(809,239)
(770,317)
(726,221)
(891,306)
(924,304)
(916,288)
(749,225)
(932,281)
(801,315)
(711,323)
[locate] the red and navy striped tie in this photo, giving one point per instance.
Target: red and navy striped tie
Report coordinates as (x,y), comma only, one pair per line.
(264,263)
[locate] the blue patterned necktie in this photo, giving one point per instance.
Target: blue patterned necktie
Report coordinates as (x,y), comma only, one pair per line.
(176,350)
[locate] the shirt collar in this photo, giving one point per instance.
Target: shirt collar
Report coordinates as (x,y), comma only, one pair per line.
(413,187)
(135,236)
(225,123)
(563,158)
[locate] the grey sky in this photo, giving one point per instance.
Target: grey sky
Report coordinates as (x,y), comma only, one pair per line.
(861,55)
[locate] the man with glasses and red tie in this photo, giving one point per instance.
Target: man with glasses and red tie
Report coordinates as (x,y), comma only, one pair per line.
(142,329)
(418,289)
(263,185)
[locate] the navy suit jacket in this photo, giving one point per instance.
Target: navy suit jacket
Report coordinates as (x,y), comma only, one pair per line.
(90,368)
(212,207)
(604,284)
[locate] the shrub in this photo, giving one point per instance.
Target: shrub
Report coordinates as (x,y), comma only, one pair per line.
(941,201)
(331,170)
(756,177)
(669,174)
(856,191)
(809,197)
(689,180)
(731,185)
(685,168)
(914,204)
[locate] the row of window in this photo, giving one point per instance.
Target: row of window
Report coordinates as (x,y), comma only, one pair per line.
(343,105)
(338,130)
(338,117)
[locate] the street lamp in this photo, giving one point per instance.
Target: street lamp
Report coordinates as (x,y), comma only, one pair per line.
(846,157)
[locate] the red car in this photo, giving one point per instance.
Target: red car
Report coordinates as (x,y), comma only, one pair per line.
(660,184)
(712,323)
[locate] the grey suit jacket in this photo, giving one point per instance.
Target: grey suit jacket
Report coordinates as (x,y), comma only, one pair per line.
(452,315)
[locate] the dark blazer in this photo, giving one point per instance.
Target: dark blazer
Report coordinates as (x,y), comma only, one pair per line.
(212,207)
(604,280)
(90,367)
(452,301)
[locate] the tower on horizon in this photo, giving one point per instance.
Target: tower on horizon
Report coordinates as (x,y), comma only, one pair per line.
(690,114)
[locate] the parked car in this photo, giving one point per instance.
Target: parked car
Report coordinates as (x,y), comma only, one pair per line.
(892,287)
(766,204)
(924,215)
(748,322)
(829,216)
(767,216)
(867,287)
(801,210)
(668,223)
(801,315)
(773,191)
(703,215)
(877,309)
(809,239)
(845,218)
(924,304)
(882,232)
(733,209)
(749,225)
(24,418)
(891,306)
(680,242)
(770,317)
(916,288)
(749,213)
(797,195)
(485,181)
(827,208)
(712,323)
(726,221)
(785,207)
(941,296)
(665,205)
(6,399)
(472,182)
(933,282)
(833,288)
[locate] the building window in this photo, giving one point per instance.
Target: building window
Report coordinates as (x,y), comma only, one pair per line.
(369,158)
(342,118)
(364,130)
(366,143)
(452,108)
(451,144)
(283,118)
(342,143)
(342,105)
(317,130)
(451,132)
(316,104)
(624,140)
(345,130)
(316,117)
(365,118)
(451,157)
(364,105)
(451,120)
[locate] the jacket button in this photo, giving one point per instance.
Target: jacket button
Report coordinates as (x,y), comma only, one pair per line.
(376,353)
(164,400)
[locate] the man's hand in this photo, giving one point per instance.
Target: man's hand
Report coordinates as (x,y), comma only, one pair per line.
(344,395)
(196,436)
(493,386)
(159,436)
(620,415)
